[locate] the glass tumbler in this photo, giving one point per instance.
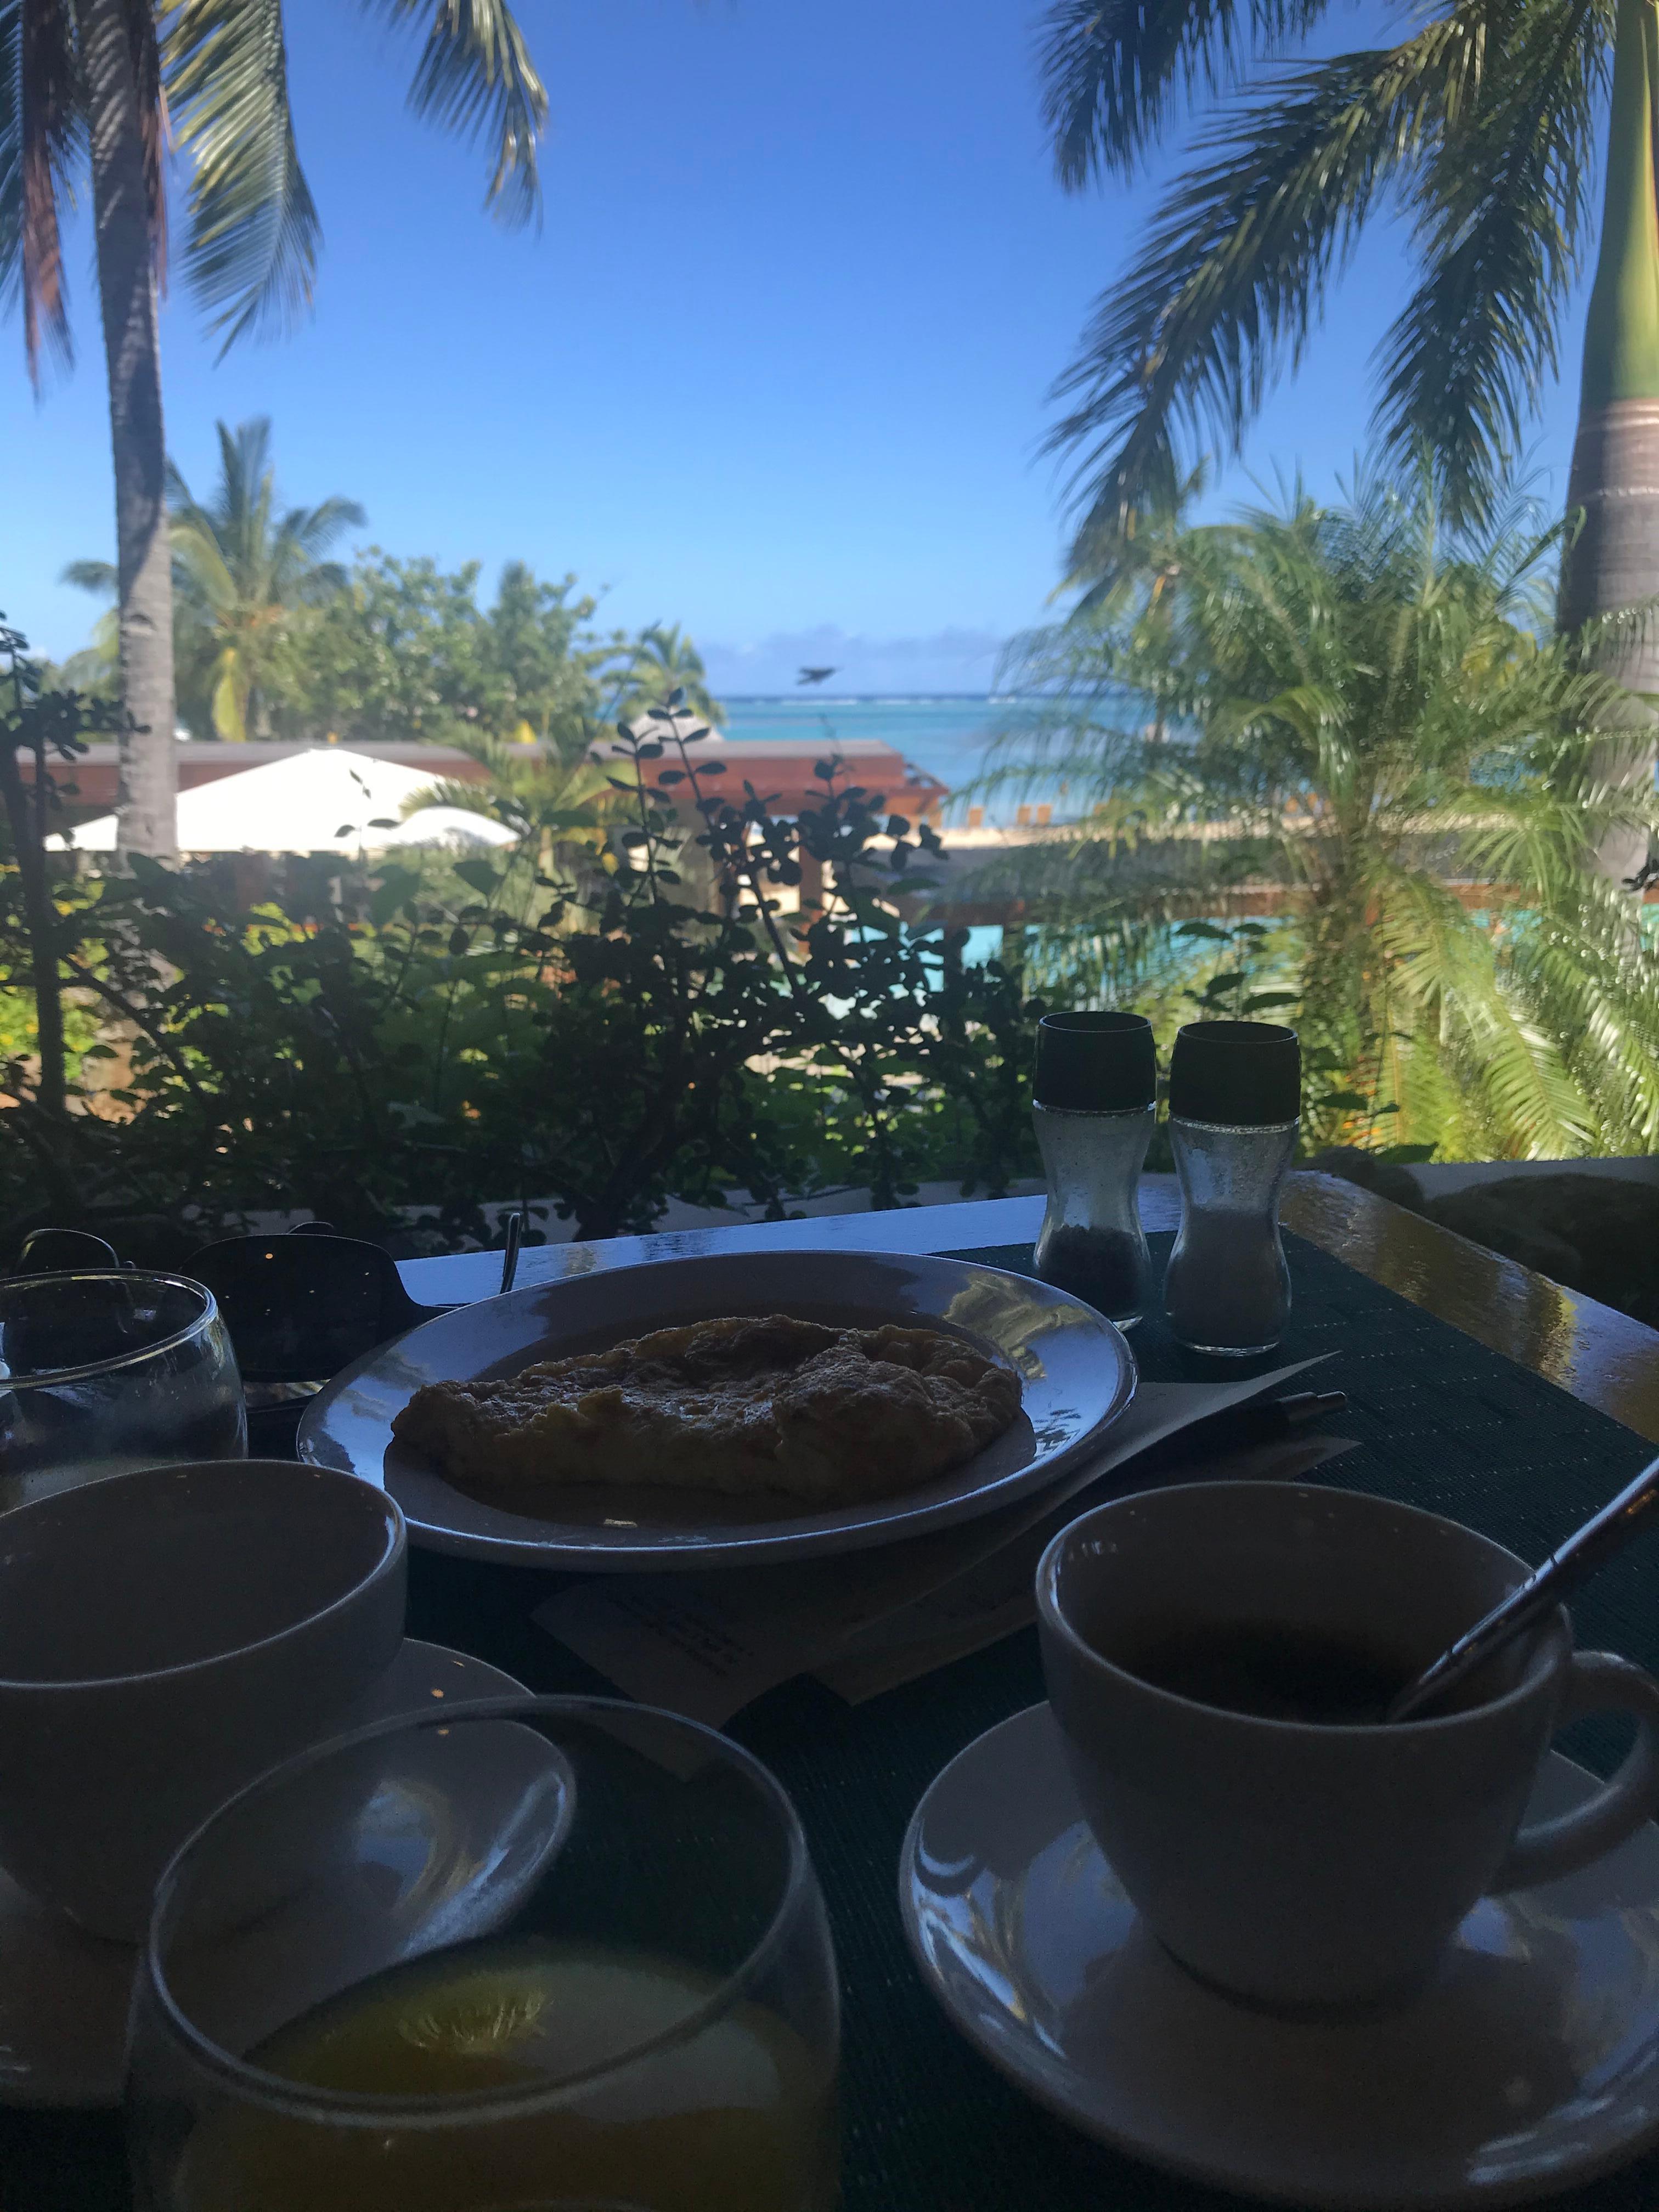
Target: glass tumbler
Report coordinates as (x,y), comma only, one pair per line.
(543,1952)
(101,1372)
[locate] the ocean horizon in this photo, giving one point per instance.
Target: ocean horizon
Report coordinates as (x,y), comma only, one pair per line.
(945,732)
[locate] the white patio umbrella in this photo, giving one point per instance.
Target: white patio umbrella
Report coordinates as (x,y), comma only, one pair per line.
(323,799)
(452,827)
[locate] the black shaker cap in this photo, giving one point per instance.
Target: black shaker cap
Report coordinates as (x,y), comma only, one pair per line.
(1095,1063)
(1248,1074)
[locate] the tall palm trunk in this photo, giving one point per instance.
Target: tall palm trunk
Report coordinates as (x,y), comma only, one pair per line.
(1614,483)
(146,818)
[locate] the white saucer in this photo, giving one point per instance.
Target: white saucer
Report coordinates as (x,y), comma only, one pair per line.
(1532,2065)
(64,1994)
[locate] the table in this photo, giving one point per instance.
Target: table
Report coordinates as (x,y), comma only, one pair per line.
(1530,1408)
(1597,1354)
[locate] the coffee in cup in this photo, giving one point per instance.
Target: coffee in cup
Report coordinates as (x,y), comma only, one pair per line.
(1220,1657)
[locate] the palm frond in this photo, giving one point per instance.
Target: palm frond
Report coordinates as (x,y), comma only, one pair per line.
(42,140)
(1445,966)
(1503,210)
(236,549)
(1350,706)
(230,698)
(99,576)
(199,562)
(1115,73)
(244,466)
(475,77)
(253,232)
(1114,563)
(48,117)
(1234,275)
(312,530)
(1574,965)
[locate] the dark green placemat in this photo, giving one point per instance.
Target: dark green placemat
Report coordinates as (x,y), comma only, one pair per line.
(1441,1421)
(1444,1423)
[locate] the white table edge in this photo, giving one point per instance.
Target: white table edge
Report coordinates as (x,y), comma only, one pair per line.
(460,1278)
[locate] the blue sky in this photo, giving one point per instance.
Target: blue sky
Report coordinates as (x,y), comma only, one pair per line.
(775,367)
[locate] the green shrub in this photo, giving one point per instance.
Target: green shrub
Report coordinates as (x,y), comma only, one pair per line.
(604,1026)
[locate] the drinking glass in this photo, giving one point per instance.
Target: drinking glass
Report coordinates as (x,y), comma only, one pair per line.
(103,1372)
(534,1955)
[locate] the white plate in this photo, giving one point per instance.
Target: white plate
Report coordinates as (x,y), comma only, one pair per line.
(64,1995)
(1532,2064)
(1075,1369)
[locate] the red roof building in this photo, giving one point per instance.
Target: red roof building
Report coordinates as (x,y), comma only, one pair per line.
(780,773)
(783,775)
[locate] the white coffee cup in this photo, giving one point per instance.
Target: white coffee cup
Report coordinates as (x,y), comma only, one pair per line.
(165,1637)
(1291,1862)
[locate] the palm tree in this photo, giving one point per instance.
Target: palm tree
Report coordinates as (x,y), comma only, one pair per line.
(664,659)
(101,84)
(1479,126)
(1362,722)
(244,577)
(1613,484)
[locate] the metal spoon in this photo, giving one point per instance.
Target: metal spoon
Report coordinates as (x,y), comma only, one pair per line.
(1569,1565)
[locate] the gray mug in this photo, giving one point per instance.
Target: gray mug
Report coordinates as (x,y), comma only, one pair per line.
(1294,1863)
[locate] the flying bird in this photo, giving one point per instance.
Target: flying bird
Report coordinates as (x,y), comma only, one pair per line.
(814,675)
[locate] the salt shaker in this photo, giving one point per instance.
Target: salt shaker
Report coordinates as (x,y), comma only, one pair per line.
(1094,1092)
(1235,1100)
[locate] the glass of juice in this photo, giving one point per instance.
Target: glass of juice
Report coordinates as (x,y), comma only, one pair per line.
(541,1953)
(104,1371)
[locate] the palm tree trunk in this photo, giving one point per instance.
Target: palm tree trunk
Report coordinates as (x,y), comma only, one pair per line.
(146,820)
(1614,483)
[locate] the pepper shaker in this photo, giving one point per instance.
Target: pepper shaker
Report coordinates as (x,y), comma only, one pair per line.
(1234,1107)
(1094,1097)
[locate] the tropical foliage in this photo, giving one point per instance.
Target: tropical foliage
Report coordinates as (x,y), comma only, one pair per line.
(246,577)
(52,725)
(274,639)
(664,661)
(555,807)
(1477,130)
(106,89)
(563,1021)
(1332,753)
(211,80)
(404,650)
